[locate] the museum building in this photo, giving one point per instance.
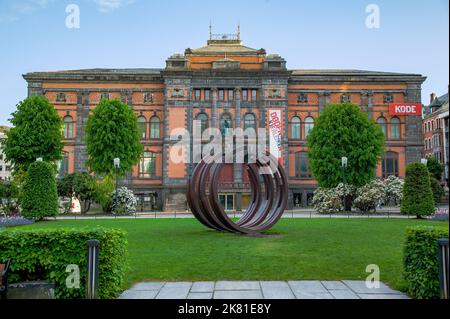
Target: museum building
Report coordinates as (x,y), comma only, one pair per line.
(225,83)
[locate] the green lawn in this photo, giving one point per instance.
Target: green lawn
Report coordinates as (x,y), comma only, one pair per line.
(326,249)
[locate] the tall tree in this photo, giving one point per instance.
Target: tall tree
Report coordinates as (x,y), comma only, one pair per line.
(37,132)
(112,131)
(436,169)
(344,130)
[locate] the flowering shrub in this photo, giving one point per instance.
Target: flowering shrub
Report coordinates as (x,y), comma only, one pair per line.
(14,220)
(370,196)
(125,203)
(327,200)
(393,190)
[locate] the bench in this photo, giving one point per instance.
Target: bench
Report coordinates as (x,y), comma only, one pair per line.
(4,279)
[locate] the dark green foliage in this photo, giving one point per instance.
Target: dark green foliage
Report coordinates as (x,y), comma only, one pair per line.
(417,194)
(45,253)
(420,261)
(438,190)
(9,194)
(435,168)
(344,130)
(40,197)
(112,131)
(84,186)
(37,132)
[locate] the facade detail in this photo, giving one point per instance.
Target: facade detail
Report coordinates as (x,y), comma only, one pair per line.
(225,84)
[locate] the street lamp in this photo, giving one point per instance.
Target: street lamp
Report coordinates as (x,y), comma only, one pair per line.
(344,161)
(117,166)
(424,161)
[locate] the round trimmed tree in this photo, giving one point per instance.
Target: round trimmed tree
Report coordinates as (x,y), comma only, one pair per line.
(417,193)
(112,131)
(344,130)
(40,196)
(37,132)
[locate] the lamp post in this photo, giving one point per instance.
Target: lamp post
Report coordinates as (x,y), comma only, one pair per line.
(117,166)
(344,161)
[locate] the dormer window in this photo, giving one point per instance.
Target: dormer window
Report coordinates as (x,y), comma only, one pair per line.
(302,98)
(61,97)
(345,98)
(148,97)
(388,98)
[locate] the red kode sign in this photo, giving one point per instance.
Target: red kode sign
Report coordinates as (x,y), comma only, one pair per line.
(405,109)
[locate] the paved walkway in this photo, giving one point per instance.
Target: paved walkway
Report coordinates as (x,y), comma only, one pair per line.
(346,289)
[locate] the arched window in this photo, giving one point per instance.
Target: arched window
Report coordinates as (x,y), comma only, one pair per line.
(309,125)
(147,165)
(389,165)
(203,119)
(249,121)
(68,127)
(395,128)
(296,128)
(142,125)
(382,123)
(226,124)
(155,125)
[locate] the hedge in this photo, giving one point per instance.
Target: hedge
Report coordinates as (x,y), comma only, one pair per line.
(43,254)
(420,261)
(40,196)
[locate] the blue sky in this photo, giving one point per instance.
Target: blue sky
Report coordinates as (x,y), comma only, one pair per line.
(413,36)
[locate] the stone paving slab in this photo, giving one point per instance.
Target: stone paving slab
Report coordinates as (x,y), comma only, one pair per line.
(302,289)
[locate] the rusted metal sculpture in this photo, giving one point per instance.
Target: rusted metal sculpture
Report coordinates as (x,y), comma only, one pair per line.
(265,207)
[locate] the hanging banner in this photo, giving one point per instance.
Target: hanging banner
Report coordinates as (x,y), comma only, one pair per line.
(275,133)
(405,109)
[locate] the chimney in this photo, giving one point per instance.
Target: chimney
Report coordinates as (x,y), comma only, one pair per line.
(432,97)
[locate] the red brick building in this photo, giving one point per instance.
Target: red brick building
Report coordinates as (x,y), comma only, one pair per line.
(227,82)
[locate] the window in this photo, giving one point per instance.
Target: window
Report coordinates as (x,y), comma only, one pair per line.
(230,95)
(147,165)
(388,98)
(309,125)
(207,95)
(382,123)
(155,127)
(301,165)
(345,98)
(203,118)
(197,94)
(302,98)
(389,165)
(63,165)
(249,121)
(142,125)
(395,128)
(227,201)
(148,97)
(68,127)
(296,127)
(61,97)
(221,95)
(226,124)
(244,95)
(254,95)
(104,96)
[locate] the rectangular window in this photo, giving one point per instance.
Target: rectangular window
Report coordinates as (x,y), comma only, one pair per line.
(227,201)
(254,95)
(301,165)
(197,95)
(221,95)
(230,95)
(147,165)
(244,95)
(207,95)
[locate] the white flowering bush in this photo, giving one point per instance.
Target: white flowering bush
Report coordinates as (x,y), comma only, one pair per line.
(327,200)
(124,203)
(393,191)
(370,196)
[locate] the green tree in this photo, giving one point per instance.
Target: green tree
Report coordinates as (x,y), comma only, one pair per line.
(438,190)
(40,197)
(37,132)
(417,193)
(435,168)
(344,130)
(112,131)
(83,184)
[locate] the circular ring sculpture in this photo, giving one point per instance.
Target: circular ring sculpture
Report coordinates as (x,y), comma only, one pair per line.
(265,207)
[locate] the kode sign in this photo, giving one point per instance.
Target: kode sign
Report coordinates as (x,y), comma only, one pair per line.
(405,109)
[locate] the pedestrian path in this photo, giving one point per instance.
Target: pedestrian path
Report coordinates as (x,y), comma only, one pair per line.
(306,289)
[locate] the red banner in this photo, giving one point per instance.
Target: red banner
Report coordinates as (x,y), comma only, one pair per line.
(405,109)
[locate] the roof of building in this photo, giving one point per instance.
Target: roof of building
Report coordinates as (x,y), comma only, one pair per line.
(438,106)
(345,72)
(221,47)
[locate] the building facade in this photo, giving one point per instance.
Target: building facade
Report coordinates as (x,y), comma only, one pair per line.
(435,131)
(226,84)
(5,167)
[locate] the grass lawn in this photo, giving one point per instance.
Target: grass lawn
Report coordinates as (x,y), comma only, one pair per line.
(325,249)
